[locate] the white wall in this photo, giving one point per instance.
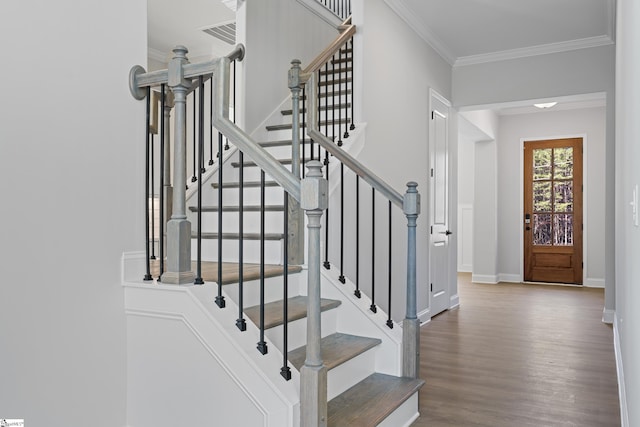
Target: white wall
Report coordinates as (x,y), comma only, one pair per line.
(71,156)
(627,315)
(275,32)
(587,123)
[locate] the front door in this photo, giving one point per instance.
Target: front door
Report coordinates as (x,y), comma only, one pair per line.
(552,220)
(439,212)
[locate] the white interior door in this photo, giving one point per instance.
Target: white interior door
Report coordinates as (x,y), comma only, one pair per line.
(439,215)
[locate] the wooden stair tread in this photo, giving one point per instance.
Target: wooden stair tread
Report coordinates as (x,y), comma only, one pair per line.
(281,143)
(233,208)
(297,310)
(370,401)
(247,184)
(231,271)
(287,126)
(336,349)
(336,71)
(322,108)
(236,236)
(334,82)
(253,164)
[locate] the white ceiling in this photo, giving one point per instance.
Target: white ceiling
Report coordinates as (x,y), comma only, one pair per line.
(467,31)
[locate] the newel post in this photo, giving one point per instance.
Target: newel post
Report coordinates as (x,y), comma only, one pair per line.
(296,217)
(411,324)
(178,227)
(313,375)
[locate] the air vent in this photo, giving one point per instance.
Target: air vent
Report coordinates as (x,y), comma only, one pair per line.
(224,32)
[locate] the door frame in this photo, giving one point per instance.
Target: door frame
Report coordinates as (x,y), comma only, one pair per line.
(585,195)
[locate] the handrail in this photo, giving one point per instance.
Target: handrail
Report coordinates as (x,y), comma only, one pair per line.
(362,171)
(241,139)
(347,31)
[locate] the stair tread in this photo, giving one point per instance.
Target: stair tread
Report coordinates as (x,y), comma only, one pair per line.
(337,71)
(236,236)
(297,310)
(286,126)
(251,164)
(281,143)
(370,401)
(231,271)
(289,112)
(337,349)
(233,208)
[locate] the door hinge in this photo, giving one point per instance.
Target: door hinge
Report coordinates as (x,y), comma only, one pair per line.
(432,115)
(432,287)
(431,229)
(582,264)
(431,172)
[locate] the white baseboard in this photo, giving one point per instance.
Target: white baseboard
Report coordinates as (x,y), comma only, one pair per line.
(624,412)
(454,301)
(593,283)
(608,316)
(133,266)
(484,278)
(509,278)
(424,316)
(465,268)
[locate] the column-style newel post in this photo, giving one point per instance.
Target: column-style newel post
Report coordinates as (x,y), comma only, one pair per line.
(296,217)
(168,191)
(411,324)
(313,375)
(179,228)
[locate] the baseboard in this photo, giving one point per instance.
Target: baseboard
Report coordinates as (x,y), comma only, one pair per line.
(132,266)
(424,316)
(454,301)
(593,283)
(624,412)
(484,278)
(509,278)
(465,268)
(608,316)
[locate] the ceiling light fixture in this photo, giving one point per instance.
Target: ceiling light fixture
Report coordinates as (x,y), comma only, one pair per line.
(545,105)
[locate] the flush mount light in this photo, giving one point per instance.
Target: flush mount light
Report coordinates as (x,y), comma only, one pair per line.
(545,105)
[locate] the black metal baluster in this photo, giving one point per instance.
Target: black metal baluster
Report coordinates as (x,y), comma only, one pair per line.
(262,345)
(194,178)
(219,298)
(162,177)
(153,198)
(326,263)
(147,276)
(389,321)
(333,101)
(373,251)
(285,371)
(351,96)
(357,291)
(345,50)
(241,322)
(211,122)
(304,130)
(341,278)
(198,279)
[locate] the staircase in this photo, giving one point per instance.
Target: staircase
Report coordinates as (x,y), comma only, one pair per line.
(358,365)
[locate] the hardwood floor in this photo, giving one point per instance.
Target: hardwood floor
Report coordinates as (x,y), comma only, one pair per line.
(519,355)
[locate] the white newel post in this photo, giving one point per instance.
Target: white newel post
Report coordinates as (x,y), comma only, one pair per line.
(411,323)
(313,375)
(178,269)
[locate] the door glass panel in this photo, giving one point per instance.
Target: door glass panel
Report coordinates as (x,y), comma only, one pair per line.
(541,229)
(542,196)
(563,163)
(563,196)
(542,164)
(563,229)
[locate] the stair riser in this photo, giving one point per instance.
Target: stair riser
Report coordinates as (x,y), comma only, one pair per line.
(404,415)
(345,376)
(231,196)
(273,251)
(274,222)
(298,330)
(273,286)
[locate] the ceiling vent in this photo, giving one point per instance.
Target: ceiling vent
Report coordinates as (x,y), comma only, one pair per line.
(225,32)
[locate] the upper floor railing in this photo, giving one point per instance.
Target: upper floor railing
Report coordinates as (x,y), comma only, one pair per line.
(341,8)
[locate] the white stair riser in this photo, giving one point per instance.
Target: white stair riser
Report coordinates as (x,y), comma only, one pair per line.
(298,330)
(404,415)
(343,377)
(273,287)
(274,222)
(273,251)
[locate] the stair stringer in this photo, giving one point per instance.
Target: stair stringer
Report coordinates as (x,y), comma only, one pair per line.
(189,365)
(355,318)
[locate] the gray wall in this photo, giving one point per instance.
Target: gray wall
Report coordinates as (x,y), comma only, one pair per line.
(71,156)
(627,316)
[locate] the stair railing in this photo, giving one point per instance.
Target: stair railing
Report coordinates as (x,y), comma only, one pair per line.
(341,8)
(309,80)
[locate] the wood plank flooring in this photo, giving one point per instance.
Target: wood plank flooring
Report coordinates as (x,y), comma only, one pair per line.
(519,355)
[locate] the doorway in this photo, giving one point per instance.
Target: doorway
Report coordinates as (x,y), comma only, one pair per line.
(552,223)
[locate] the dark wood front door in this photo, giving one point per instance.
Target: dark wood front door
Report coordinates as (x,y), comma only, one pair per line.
(552,220)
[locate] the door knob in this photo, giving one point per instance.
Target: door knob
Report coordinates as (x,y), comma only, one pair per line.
(447,232)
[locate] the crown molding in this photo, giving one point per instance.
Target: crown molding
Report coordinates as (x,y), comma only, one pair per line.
(544,49)
(410,17)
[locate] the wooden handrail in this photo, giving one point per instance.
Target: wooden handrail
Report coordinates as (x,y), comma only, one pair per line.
(347,31)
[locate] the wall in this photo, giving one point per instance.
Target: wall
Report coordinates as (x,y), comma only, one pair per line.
(627,315)
(589,123)
(274,33)
(71,152)
(395,105)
